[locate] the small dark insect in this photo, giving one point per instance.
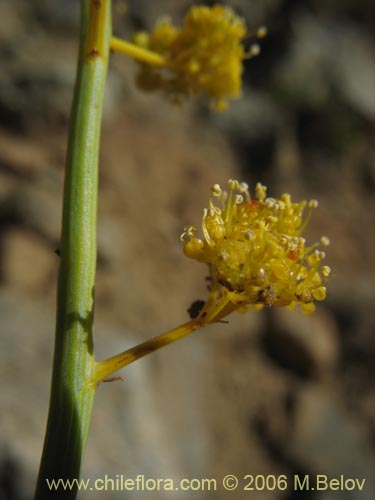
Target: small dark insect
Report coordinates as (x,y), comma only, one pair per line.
(195,308)
(57,252)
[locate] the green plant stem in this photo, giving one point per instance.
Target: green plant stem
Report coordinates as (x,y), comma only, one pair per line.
(71,394)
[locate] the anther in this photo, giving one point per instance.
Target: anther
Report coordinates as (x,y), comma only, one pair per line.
(270,202)
(232,184)
(271,219)
(326,271)
(216,190)
(262,32)
(313,204)
(224,254)
(260,191)
(254,50)
(189,231)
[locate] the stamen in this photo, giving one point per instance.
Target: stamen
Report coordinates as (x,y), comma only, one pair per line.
(243,188)
(206,234)
(216,190)
(213,209)
(189,231)
(270,202)
(262,32)
(224,254)
(249,234)
(271,219)
(313,204)
(233,184)
(260,191)
(326,271)
(255,50)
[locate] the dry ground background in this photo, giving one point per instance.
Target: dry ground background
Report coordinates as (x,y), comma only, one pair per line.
(272,392)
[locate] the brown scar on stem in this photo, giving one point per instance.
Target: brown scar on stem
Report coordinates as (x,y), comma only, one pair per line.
(143,350)
(112,379)
(94,53)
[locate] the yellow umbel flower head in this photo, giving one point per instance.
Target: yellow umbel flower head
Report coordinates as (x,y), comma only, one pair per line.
(255,250)
(203,56)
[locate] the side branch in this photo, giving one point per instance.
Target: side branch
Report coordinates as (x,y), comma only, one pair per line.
(137,53)
(103,369)
(213,312)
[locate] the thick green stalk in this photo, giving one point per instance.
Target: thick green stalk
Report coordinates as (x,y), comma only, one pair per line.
(71,394)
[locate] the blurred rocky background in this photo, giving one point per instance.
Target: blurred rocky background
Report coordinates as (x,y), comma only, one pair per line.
(273,392)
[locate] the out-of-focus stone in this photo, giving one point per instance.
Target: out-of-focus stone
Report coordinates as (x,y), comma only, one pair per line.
(329,441)
(22,156)
(353,64)
(26,344)
(328,55)
(305,345)
(39,203)
(251,117)
(29,264)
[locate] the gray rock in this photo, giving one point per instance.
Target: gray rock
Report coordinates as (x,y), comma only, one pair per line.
(327,440)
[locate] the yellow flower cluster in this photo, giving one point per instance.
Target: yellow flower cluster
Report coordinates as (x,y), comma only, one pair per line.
(203,56)
(255,250)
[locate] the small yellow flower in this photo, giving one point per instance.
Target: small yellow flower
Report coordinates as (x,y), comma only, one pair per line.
(255,251)
(203,56)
